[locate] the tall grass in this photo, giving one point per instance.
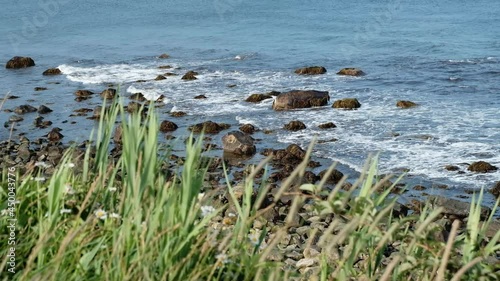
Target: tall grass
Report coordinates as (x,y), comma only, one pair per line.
(130,219)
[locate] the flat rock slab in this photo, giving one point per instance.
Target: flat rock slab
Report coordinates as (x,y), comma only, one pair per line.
(300,99)
(238,143)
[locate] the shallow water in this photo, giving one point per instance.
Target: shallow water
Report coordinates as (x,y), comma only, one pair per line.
(443,55)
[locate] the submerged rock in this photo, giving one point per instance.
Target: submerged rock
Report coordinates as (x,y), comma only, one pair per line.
(20,62)
(481,167)
(300,99)
(295,126)
(238,143)
(350,71)
(405,104)
(347,103)
(52,71)
(190,75)
(160,77)
(164,56)
(328,125)
(312,70)
(258,97)
(83,93)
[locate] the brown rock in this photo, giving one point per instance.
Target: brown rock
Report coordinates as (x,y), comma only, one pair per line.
(20,62)
(169,74)
(300,99)
(178,113)
(346,104)
(39,123)
(496,190)
(451,168)
(26,108)
(190,75)
(209,127)
(295,126)
(238,143)
(109,93)
(37,89)
(138,97)
(312,70)
(481,167)
(167,126)
(334,177)
(160,77)
(200,97)
(258,97)
(296,151)
(83,93)
(405,104)
(164,67)
(328,125)
(247,128)
(42,109)
(164,56)
(351,72)
(117,135)
(52,71)
(54,135)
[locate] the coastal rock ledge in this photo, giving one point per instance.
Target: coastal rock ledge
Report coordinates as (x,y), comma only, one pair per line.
(20,62)
(300,99)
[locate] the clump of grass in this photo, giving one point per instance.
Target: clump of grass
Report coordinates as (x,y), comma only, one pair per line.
(129,219)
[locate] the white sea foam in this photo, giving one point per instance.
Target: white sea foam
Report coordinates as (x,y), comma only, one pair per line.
(112,73)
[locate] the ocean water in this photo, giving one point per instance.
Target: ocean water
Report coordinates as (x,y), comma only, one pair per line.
(443,55)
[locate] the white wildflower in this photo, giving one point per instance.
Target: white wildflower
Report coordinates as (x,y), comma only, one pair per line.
(40,179)
(69,165)
(114,216)
(101,214)
(112,189)
(207,210)
(65,211)
(68,189)
(254,237)
(200,196)
(42,165)
(222,259)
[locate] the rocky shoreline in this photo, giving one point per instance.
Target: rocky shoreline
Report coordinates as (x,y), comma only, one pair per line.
(242,145)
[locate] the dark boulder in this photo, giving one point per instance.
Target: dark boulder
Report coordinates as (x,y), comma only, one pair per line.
(481,167)
(496,190)
(295,126)
(83,93)
(178,113)
(20,62)
(300,99)
(258,97)
(137,97)
(26,108)
(350,71)
(247,128)
(164,56)
(209,127)
(312,70)
(190,75)
(238,143)
(451,168)
(37,89)
(334,177)
(328,125)
(347,104)
(200,97)
(52,71)
(109,93)
(54,135)
(39,123)
(168,126)
(296,151)
(405,104)
(42,109)
(160,77)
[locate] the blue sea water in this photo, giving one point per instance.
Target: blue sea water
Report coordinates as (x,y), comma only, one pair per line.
(443,55)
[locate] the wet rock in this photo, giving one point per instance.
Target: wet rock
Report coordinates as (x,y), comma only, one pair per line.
(164,67)
(54,135)
(350,71)
(300,99)
(26,108)
(109,93)
(169,74)
(419,187)
(160,77)
(258,97)
(334,177)
(137,97)
(295,126)
(209,127)
(190,75)
(168,126)
(247,128)
(481,167)
(238,143)
(38,89)
(83,93)
(164,56)
(296,151)
(133,107)
(405,104)
(178,113)
(496,190)
(328,125)
(312,70)
(347,103)
(310,177)
(454,207)
(451,168)
(20,62)
(42,109)
(199,97)
(52,71)
(15,118)
(12,97)
(39,123)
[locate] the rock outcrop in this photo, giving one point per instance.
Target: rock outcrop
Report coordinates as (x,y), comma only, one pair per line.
(52,71)
(312,70)
(295,126)
(350,71)
(20,62)
(347,104)
(300,99)
(405,104)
